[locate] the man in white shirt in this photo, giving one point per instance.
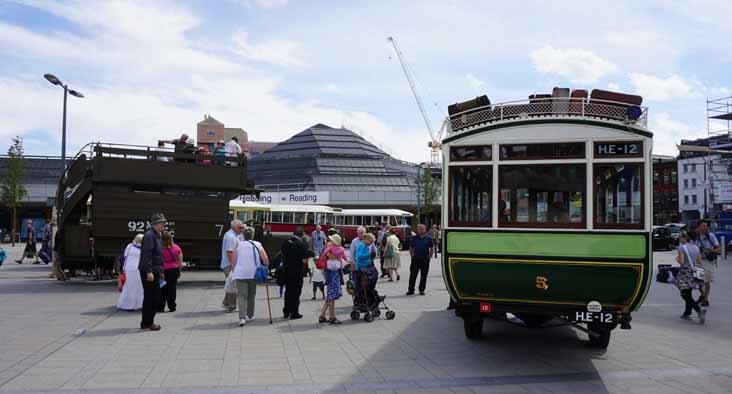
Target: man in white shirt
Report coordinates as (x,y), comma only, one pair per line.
(228,258)
(233,149)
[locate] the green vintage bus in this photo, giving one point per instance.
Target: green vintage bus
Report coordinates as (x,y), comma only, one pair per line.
(547,211)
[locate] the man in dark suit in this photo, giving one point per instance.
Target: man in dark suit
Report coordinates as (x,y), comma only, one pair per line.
(295,253)
(151,270)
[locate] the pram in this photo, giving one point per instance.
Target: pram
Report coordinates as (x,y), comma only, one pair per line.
(361,286)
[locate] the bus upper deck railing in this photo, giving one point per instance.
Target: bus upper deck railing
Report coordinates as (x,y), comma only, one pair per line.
(552,107)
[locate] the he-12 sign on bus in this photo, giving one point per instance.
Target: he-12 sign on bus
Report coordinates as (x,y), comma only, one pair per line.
(619,149)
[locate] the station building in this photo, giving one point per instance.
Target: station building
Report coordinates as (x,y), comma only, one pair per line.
(336,167)
(40,178)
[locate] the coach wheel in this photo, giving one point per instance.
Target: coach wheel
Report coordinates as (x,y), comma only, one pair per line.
(368,318)
(355,315)
(390,315)
(603,339)
(473,326)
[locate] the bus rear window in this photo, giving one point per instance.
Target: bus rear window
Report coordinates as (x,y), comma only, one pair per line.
(618,195)
(470,196)
(542,196)
(471,153)
(571,150)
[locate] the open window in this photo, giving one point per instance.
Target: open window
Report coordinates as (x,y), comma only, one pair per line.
(618,189)
(542,196)
(470,196)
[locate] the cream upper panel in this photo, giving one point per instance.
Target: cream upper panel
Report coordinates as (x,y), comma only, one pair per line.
(547,133)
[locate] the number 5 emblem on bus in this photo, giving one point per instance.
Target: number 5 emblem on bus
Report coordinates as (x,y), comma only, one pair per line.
(542,283)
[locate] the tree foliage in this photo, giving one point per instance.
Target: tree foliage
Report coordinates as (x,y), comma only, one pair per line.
(12,188)
(429,193)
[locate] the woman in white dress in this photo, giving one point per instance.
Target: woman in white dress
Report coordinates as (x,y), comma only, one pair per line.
(132,293)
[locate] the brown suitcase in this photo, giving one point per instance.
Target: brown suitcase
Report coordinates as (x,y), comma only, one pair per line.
(631,99)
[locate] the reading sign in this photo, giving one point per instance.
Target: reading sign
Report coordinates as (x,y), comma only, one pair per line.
(619,149)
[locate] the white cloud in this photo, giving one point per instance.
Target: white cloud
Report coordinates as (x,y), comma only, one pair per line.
(273,51)
(262,3)
(575,65)
(668,132)
(652,87)
(474,83)
(613,87)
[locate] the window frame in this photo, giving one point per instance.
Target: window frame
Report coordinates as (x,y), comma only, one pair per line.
(582,225)
(452,223)
(621,226)
(477,146)
(509,159)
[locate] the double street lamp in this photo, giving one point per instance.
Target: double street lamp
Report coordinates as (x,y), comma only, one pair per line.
(54,80)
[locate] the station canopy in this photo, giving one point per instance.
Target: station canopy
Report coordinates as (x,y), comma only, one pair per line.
(324,158)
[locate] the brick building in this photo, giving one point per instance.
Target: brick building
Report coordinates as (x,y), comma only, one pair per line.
(210,130)
(665,190)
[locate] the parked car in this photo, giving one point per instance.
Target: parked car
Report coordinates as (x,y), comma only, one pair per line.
(676,229)
(662,239)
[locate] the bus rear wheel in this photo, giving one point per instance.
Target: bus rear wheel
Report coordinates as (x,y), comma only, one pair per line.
(473,326)
(602,340)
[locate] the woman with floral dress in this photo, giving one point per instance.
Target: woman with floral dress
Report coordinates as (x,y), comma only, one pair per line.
(689,256)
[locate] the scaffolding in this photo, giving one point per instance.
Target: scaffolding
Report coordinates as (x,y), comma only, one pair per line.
(719,117)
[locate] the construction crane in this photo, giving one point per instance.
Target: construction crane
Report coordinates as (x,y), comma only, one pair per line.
(435,143)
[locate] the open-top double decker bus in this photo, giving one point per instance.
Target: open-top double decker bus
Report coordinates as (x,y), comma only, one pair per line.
(547,210)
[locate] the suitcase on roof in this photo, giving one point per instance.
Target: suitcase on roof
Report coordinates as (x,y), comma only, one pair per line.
(631,99)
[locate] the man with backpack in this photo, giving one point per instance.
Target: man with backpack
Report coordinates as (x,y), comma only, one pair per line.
(710,248)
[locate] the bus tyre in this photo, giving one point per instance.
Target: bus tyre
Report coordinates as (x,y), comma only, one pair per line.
(473,326)
(603,340)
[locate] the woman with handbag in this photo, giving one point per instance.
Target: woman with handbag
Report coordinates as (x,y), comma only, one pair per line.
(172,264)
(250,258)
(690,274)
(130,282)
(392,260)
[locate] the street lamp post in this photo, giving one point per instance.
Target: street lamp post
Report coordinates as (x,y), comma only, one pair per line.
(55,81)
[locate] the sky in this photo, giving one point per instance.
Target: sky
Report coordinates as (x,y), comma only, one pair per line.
(150,70)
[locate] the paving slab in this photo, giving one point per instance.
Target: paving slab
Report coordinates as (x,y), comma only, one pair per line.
(422,351)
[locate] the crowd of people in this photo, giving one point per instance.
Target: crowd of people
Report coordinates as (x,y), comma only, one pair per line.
(224,150)
(151,266)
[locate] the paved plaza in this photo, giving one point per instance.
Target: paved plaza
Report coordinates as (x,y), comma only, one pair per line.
(68,337)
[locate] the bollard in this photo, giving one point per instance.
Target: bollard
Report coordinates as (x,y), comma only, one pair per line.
(723,243)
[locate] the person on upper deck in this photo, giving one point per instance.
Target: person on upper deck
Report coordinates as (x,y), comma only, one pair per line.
(233,150)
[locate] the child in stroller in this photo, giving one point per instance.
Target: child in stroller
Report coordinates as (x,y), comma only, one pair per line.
(362,285)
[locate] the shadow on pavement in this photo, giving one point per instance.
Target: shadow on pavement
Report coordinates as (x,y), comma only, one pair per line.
(432,352)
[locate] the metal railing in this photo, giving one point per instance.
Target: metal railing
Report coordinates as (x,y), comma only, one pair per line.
(553,107)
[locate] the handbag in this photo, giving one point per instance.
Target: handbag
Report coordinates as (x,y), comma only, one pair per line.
(230,286)
(696,272)
(389,252)
(322,262)
(262,273)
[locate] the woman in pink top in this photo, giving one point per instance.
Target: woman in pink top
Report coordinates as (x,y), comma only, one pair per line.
(336,260)
(172,263)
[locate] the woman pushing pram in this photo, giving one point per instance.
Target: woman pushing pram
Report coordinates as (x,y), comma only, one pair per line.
(363,280)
